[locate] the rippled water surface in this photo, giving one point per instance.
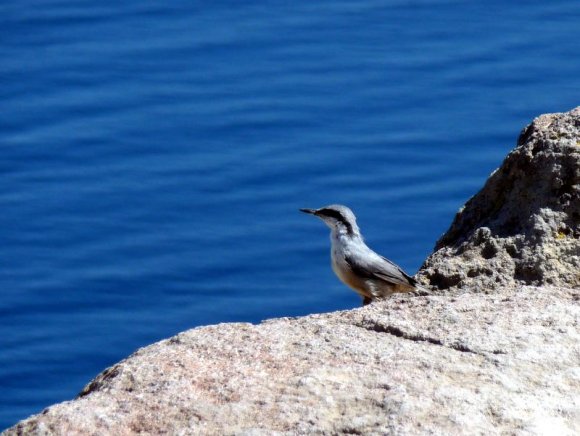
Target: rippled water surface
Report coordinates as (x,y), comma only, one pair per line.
(155,154)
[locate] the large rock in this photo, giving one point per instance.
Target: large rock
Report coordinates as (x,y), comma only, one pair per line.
(479,362)
(524,225)
(503,363)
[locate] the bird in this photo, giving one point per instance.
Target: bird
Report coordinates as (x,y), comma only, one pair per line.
(371,275)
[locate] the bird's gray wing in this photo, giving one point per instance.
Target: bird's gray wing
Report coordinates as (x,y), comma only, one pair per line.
(379,268)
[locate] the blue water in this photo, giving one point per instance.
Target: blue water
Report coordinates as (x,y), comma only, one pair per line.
(154,156)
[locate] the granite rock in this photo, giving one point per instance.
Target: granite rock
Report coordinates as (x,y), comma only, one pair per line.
(502,363)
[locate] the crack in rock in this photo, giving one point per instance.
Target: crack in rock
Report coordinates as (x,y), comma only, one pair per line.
(398,332)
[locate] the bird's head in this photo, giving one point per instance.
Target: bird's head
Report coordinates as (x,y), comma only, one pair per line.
(338,217)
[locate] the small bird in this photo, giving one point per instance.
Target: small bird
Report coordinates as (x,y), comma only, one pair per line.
(356,265)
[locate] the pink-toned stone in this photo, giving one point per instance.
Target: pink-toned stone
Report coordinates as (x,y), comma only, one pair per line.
(504,363)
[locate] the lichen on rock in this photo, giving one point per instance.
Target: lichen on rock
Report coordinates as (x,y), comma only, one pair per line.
(523,227)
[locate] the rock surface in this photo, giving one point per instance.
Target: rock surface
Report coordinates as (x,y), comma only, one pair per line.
(503,363)
(523,227)
(490,356)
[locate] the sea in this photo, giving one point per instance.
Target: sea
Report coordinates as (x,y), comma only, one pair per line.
(154,155)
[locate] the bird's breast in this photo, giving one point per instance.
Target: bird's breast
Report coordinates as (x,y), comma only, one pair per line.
(344,272)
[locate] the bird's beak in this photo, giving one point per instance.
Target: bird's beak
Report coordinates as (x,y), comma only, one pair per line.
(310,211)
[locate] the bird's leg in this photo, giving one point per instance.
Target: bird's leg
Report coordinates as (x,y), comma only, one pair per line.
(366,300)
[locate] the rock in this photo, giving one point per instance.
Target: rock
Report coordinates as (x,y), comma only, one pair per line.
(502,363)
(523,227)
(503,358)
